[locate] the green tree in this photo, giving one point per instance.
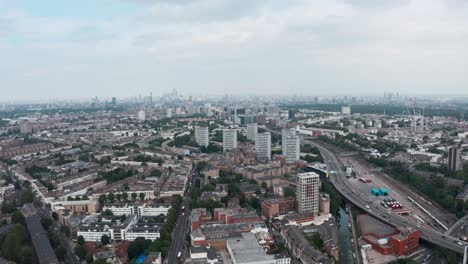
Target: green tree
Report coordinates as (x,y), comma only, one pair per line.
(107,212)
(80,252)
(27,195)
(8,207)
(111,197)
(156,173)
(60,251)
(142,196)
(46,223)
(118,197)
(26,255)
(65,229)
(55,216)
(201,165)
(18,218)
(255,203)
(89,259)
(80,240)
(102,198)
(136,247)
(134,196)
(264,185)
(315,241)
(289,192)
(105,240)
(125,196)
(14,240)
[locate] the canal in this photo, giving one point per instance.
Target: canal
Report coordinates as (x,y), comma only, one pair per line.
(345,235)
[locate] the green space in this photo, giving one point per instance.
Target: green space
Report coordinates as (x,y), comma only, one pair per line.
(315,241)
(117,174)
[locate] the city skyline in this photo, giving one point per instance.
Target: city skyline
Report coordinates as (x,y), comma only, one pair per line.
(121,48)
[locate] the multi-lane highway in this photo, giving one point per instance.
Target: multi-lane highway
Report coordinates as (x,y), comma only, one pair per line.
(339,180)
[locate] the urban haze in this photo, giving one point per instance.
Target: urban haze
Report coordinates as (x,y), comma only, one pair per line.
(233,132)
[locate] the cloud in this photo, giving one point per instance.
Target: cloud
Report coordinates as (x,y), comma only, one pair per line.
(266,46)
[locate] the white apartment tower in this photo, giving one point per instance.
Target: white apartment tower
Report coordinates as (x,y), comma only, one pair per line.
(263,146)
(291,149)
(202,136)
(252,131)
(142,115)
(286,132)
(229,139)
(307,192)
(455,162)
(346,110)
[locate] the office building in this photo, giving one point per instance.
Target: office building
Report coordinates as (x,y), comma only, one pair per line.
(291,147)
(252,130)
(346,110)
(229,139)
(114,101)
(263,146)
(307,192)
(455,163)
(169,113)
(202,136)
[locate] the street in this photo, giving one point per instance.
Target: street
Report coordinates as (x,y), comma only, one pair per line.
(181,229)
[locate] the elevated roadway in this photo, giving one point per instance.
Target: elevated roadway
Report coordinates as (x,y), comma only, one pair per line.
(339,180)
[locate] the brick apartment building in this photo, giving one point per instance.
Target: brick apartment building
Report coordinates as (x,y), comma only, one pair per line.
(278,206)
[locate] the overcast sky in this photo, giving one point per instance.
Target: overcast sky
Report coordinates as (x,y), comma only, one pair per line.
(84,48)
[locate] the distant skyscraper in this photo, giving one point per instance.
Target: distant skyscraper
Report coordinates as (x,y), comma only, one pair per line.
(229,139)
(263,146)
(252,130)
(307,192)
(169,113)
(346,110)
(142,115)
(202,136)
(455,163)
(114,101)
(291,146)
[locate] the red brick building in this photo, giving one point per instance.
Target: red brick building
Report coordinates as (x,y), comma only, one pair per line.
(405,242)
(235,215)
(198,217)
(385,239)
(278,206)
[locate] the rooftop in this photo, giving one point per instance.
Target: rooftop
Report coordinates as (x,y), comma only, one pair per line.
(247,250)
(371,226)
